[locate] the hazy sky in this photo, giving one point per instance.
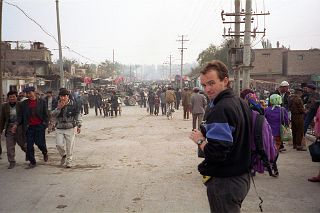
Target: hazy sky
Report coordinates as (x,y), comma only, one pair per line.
(145,31)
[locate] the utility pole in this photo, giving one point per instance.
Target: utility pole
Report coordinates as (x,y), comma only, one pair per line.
(1,3)
(247,47)
(241,57)
(181,66)
(113,71)
(236,69)
(60,49)
(130,74)
(170,68)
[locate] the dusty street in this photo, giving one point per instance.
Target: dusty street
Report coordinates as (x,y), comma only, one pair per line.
(141,163)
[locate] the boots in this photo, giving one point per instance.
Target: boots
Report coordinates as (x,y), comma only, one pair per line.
(12,165)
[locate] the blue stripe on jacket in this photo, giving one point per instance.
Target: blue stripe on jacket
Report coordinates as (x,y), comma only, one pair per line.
(220,131)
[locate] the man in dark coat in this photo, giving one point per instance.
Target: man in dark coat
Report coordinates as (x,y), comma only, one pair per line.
(34,118)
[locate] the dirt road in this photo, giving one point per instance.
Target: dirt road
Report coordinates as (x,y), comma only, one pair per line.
(141,163)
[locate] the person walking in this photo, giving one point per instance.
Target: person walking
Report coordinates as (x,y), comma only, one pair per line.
(97,102)
(198,105)
(170,98)
(68,120)
(297,115)
(225,142)
(186,103)
(163,102)
(311,106)
(33,117)
(178,98)
(156,105)
(151,99)
(114,104)
(8,118)
(85,100)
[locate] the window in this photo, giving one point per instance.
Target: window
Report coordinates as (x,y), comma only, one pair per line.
(266,54)
(13,63)
(300,57)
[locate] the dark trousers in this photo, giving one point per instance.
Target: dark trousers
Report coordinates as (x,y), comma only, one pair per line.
(96,110)
(86,109)
(307,121)
(297,129)
(115,110)
(156,109)
(163,108)
(186,111)
(177,105)
(151,109)
(36,135)
(227,194)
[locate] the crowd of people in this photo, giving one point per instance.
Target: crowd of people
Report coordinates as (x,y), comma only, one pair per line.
(221,124)
(26,116)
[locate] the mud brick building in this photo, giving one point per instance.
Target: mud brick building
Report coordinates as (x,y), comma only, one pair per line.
(23,67)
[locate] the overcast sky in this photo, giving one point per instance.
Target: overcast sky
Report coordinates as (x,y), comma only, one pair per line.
(145,31)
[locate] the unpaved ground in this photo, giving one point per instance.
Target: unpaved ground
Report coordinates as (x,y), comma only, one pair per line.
(142,163)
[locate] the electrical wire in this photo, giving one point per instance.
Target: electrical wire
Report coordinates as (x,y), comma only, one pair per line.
(47,33)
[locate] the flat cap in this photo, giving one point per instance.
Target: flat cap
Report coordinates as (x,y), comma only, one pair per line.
(312,86)
(29,89)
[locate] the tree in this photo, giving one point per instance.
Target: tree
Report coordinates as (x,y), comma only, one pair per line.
(266,44)
(107,69)
(214,52)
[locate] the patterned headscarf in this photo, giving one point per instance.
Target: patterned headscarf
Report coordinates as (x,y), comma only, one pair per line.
(254,102)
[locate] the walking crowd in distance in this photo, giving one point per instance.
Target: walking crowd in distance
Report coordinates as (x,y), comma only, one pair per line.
(221,125)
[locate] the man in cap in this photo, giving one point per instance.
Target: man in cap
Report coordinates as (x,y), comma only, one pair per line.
(311,106)
(7,120)
(284,92)
(34,118)
(68,120)
(297,115)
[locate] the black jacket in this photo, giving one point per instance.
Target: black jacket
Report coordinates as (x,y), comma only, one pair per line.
(228,123)
(24,114)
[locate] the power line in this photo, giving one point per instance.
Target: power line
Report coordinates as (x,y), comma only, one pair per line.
(47,33)
(32,20)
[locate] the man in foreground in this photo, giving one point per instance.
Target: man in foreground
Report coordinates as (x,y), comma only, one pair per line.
(68,120)
(225,141)
(34,119)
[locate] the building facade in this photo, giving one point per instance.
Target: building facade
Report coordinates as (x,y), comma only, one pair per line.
(278,64)
(22,67)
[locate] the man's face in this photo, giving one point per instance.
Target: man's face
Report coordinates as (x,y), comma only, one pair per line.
(49,94)
(31,95)
(284,89)
(12,99)
(64,98)
(212,84)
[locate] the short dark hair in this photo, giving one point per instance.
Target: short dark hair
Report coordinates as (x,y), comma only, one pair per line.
(63,92)
(217,66)
(12,93)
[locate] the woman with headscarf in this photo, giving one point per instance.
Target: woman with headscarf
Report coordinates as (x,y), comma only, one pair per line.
(276,115)
(254,103)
